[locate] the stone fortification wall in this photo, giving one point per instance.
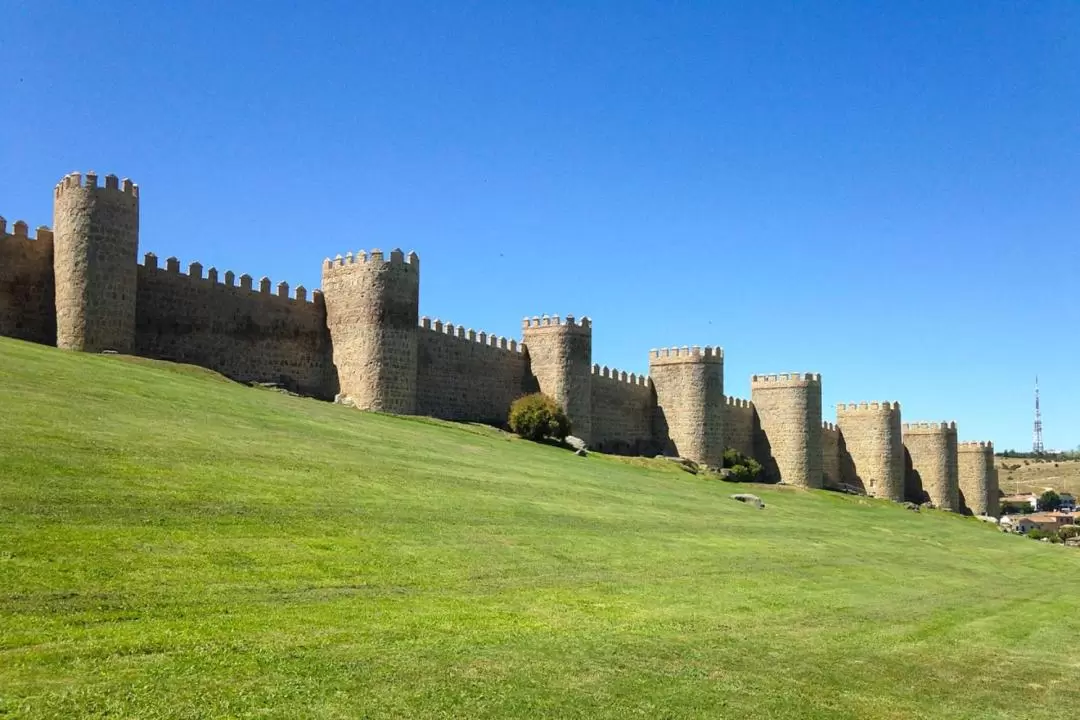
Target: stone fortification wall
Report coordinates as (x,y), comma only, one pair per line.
(465,375)
(872,434)
(560,356)
(95,254)
(622,412)
(832,448)
(741,426)
(27,292)
(245,333)
(789,408)
(977,478)
(372,310)
(691,408)
(932,450)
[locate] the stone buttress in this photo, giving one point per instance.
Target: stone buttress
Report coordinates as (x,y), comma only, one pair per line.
(372,311)
(933,468)
(560,357)
(872,435)
(95,255)
(789,409)
(690,403)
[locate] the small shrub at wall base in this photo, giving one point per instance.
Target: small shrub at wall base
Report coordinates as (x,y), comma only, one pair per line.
(743,468)
(537,416)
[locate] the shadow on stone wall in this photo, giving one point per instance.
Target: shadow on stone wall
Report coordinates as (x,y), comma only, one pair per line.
(913,485)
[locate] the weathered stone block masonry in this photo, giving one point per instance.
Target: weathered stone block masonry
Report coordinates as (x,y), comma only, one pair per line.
(81,287)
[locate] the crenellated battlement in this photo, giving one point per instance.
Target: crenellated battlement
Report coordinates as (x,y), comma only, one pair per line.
(975,446)
(686,354)
(785,380)
(369,259)
(490,340)
(886,406)
(606,373)
(928,428)
(554,321)
(828,426)
(266,288)
(89,181)
(20,230)
(735,402)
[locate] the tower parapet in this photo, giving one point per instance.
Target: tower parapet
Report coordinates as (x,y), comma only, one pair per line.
(789,410)
(873,439)
(560,357)
(372,311)
(932,448)
(978,478)
(96,243)
(691,408)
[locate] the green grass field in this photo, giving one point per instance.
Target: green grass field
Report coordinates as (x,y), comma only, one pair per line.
(173,545)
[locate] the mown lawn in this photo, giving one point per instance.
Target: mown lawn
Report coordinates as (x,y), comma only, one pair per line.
(176,546)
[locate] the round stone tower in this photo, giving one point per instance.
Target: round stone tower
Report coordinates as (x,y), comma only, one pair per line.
(691,407)
(932,449)
(977,477)
(95,256)
(789,408)
(873,438)
(560,357)
(372,311)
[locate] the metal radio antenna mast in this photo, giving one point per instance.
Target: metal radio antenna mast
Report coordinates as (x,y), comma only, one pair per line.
(1036,440)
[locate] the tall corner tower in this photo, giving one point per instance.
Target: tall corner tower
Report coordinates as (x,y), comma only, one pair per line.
(372,312)
(977,477)
(933,451)
(691,406)
(873,437)
(95,258)
(789,407)
(560,357)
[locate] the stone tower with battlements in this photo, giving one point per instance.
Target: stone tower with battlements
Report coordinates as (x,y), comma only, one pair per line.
(932,449)
(690,403)
(977,478)
(874,444)
(789,409)
(372,311)
(560,357)
(95,253)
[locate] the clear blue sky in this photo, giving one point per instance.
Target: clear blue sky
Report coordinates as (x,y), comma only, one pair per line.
(885,193)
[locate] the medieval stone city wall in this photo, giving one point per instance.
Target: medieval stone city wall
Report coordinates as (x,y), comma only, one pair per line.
(244,332)
(932,466)
(741,427)
(465,375)
(81,287)
(977,478)
(872,435)
(623,406)
(27,293)
(789,408)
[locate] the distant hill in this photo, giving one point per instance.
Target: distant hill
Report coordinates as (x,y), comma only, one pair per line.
(1024,475)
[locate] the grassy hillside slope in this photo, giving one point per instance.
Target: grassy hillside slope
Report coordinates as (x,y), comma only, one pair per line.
(176,546)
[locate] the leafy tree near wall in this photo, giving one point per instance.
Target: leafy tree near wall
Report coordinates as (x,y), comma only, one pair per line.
(537,416)
(1049,500)
(743,468)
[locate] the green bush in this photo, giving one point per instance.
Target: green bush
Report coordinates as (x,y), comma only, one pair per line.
(537,416)
(743,468)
